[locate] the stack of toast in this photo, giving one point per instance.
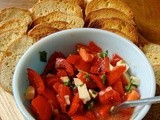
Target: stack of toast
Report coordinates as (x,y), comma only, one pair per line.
(21,28)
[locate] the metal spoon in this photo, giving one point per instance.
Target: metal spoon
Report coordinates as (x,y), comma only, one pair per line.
(145,101)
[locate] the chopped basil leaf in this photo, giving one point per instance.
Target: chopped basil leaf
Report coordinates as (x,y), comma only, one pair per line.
(104,80)
(43,56)
(104,54)
(89,105)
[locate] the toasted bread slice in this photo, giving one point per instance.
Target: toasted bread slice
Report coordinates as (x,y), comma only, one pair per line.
(107,13)
(156,69)
(151,48)
(59,16)
(45,7)
(81,3)
(6,38)
(117,24)
(11,58)
(13,24)
(41,30)
(154,58)
(15,13)
(116,4)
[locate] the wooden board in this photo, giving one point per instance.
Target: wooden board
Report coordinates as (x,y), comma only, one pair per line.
(147,17)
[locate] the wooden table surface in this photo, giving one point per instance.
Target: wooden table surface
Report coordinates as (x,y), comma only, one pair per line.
(147,17)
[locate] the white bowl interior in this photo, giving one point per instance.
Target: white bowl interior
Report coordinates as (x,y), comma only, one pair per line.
(64,42)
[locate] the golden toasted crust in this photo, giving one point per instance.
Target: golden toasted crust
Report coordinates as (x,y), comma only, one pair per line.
(118,24)
(11,13)
(7,38)
(10,59)
(41,30)
(107,13)
(13,24)
(59,16)
(116,4)
(81,3)
(45,7)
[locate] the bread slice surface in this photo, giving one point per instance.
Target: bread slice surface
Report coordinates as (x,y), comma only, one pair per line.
(45,7)
(117,24)
(11,58)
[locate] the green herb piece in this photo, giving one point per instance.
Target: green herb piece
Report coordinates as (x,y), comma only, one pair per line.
(43,56)
(89,105)
(67,83)
(104,54)
(104,80)
(129,87)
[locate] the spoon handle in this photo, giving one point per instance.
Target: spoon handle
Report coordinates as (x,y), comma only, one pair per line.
(144,101)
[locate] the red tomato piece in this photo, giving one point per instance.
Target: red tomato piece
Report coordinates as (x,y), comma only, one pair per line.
(102,111)
(79,45)
(82,65)
(87,57)
(62,63)
(115,74)
(61,72)
(91,115)
(134,95)
(78,117)
(73,58)
(51,62)
(62,91)
(94,48)
(49,81)
(109,96)
(51,97)
(118,86)
(41,108)
(98,81)
(36,80)
(74,105)
(56,86)
(115,59)
(101,66)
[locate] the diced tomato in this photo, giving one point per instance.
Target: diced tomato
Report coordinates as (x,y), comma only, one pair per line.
(134,95)
(94,48)
(36,80)
(118,86)
(61,72)
(115,74)
(62,63)
(78,117)
(115,59)
(91,115)
(62,91)
(87,57)
(79,45)
(51,80)
(109,96)
(41,108)
(51,62)
(82,65)
(98,81)
(101,66)
(51,97)
(85,78)
(74,105)
(56,86)
(102,111)
(73,58)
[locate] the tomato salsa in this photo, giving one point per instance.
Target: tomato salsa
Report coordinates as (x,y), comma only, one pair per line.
(84,85)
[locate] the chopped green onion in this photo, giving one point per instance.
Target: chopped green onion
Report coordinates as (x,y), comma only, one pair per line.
(104,80)
(89,105)
(104,54)
(43,56)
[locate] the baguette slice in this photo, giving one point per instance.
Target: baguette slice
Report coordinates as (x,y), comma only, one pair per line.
(14,24)
(117,24)
(59,16)
(116,4)
(151,48)
(11,58)
(15,13)
(81,3)
(41,30)
(7,38)
(45,7)
(154,58)
(107,13)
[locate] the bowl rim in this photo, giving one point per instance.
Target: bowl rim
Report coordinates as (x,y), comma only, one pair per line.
(19,103)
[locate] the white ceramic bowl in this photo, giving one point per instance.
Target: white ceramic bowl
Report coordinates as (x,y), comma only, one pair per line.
(65,41)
